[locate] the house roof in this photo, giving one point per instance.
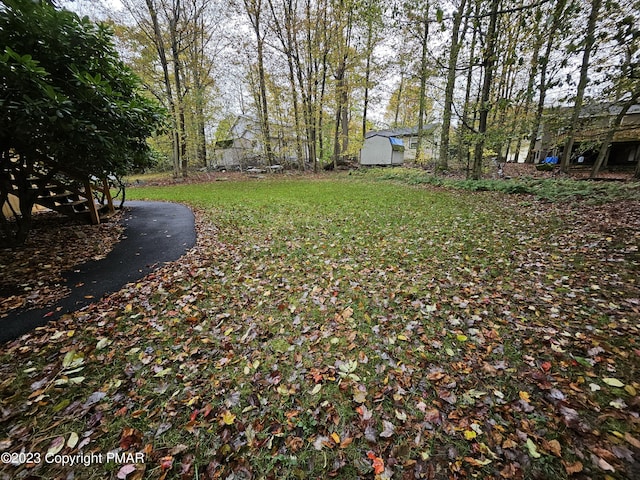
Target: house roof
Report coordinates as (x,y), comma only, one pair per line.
(601,109)
(401,132)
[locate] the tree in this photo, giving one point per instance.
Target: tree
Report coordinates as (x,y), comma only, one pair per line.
(283,21)
(254,11)
(174,46)
(624,73)
(68,105)
(553,24)
(404,104)
(489,60)
(589,42)
(454,51)
(421,18)
(158,39)
(344,23)
(373,18)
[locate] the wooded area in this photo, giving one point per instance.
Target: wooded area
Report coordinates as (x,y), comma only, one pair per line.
(311,72)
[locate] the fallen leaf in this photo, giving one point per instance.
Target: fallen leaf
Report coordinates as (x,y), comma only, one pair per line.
(477,463)
(376,462)
(618,403)
(125,470)
(632,440)
(470,434)
(533,450)
(602,463)
(359,396)
(94,398)
(228,418)
(166,463)
(346,442)
(572,468)
(72,441)
(130,437)
(553,446)
(320,441)
(613,382)
(389,429)
(162,373)
(400,415)
(56,446)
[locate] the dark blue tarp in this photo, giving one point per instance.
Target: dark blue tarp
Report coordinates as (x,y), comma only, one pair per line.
(396,141)
(551,160)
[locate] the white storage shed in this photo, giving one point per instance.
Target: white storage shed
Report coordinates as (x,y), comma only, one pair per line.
(381,148)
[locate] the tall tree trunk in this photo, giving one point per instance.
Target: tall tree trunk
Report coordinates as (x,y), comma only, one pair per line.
(306,89)
(285,33)
(590,39)
(199,86)
(367,75)
(423,85)
(201,146)
(465,128)
(160,48)
(253,8)
(177,78)
(319,109)
(533,73)
(264,111)
(485,107)
(399,100)
(341,132)
(551,33)
(456,43)
(344,20)
(296,114)
(606,143)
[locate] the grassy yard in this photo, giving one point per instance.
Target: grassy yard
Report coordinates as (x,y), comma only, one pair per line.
(350,327)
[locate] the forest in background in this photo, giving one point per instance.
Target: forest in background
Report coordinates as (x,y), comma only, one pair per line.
(318,74)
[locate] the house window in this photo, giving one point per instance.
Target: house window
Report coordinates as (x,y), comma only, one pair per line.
(413,144)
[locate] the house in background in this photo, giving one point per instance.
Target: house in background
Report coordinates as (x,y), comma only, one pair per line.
(244,146)
(409,138)
(594,123)
(518,150)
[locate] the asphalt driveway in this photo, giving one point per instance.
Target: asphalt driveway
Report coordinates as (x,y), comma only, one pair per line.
(155,233)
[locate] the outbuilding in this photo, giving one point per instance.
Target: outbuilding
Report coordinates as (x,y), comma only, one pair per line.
(382,148)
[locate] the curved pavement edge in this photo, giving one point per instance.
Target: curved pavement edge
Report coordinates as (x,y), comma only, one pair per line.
(155,233)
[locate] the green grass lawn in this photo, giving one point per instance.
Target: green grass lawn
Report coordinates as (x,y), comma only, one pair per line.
(350,327)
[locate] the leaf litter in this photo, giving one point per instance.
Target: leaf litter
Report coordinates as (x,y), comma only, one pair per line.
(346,342)
(31,275)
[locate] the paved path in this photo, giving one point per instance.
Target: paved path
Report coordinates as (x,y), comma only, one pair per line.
(156,232)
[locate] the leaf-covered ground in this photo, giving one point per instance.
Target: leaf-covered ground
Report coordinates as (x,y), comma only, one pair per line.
(31,276)
(348,328)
